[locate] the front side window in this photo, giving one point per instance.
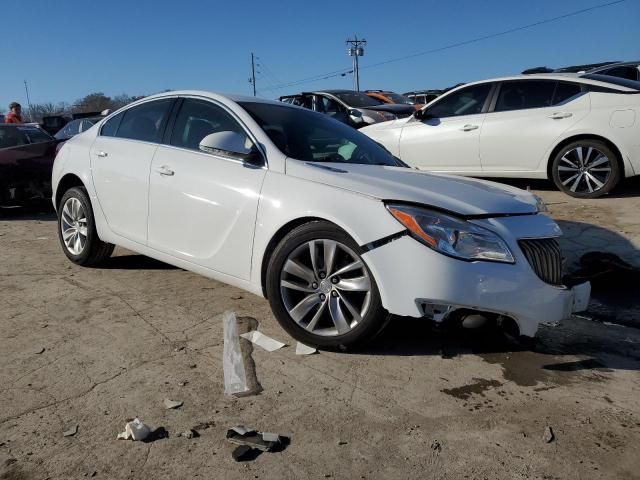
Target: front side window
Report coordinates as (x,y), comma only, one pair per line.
(468,101)
(521,95)
(145,122)
(70,129)
(199,118)
(313,137)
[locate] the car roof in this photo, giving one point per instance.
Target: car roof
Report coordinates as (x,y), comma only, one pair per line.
(211,94)
(574,77)
(612,65)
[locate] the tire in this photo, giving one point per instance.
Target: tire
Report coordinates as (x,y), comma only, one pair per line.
(82,249)
(334,306)
(572,173)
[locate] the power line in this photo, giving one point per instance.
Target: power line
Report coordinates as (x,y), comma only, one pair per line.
(494,35)
(343,72)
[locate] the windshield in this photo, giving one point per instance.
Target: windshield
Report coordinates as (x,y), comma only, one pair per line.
(623,82)
(313,137)
(400,99)
(357,99)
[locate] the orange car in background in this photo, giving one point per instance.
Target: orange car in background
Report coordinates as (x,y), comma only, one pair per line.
(385,96)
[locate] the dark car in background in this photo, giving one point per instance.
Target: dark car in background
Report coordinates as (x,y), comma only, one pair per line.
(74,127)
(348,106)
(387,96)
(26,159)
(628,70)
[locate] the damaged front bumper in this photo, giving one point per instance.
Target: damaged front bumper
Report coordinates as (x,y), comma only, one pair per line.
(416,281)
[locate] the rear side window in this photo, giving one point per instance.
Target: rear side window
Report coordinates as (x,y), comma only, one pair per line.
(145,122)
(110,127)
(467,101)
(199,118)
(12,137)
(524,95)
(35,135)
(565,91)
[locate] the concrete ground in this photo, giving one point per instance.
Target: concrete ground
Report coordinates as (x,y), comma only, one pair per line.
(94,347)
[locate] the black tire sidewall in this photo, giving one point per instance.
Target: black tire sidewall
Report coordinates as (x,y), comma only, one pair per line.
(371,324)
(92,235)
(614,178)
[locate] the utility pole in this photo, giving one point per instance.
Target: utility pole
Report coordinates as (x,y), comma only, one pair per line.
(355,50)
(26,89)
(252,80)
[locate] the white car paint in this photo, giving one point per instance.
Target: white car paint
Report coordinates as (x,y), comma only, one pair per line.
(516,143)
(217,216)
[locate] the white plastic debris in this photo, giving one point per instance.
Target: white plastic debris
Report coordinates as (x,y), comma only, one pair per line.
(302,349)
(135,430)
(169,404)
(260,339)
(235,378)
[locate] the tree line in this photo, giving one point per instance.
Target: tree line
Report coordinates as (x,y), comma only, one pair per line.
(94,102)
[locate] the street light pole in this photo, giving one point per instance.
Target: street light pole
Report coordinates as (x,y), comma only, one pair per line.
(355,50)
(26,89)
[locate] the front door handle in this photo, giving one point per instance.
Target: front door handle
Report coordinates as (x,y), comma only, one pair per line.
(164,170)
(560,115)
(468,128)
(102,154)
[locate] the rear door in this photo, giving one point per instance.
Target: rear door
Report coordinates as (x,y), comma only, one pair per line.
(447,140)
(526,119)
(203,206)
(121,161)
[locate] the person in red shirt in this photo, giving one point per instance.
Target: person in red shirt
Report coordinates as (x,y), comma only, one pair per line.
(14,116)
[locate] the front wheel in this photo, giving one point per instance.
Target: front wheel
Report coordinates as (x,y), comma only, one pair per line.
(586,169)
(320,289)
(77,230)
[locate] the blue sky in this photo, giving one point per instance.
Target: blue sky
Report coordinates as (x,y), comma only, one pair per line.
(69,48)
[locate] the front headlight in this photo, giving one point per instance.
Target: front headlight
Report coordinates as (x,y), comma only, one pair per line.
(540,205)
(451,236)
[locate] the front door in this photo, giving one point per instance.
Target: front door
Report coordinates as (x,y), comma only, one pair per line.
(202,206)
(447,139)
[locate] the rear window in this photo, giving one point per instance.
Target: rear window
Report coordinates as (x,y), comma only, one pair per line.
(35,135)
(622,82)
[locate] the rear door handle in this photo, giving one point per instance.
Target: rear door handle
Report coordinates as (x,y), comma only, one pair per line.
(164,170)
(102,154)
(468,128)
(560,115)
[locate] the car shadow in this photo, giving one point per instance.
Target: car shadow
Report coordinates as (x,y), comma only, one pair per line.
(41,212)
(135,262)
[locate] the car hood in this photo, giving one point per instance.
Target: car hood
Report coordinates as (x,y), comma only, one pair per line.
(464,196)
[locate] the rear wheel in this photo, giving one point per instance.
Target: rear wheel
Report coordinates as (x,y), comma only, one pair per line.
(586,169)
(320,289)
(77,230)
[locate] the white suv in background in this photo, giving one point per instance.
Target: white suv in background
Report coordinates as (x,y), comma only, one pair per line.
(582,132)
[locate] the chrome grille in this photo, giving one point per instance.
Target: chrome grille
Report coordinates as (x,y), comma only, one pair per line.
(545,258)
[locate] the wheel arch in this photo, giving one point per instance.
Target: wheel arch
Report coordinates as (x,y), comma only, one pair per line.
(585,136)
(68,181)
(277,238)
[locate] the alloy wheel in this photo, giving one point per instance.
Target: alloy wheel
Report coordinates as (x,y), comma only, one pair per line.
(584,169)
(325,287)
(74,226)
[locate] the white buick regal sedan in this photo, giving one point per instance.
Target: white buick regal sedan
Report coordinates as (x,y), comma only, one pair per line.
(292,205)
(581,132)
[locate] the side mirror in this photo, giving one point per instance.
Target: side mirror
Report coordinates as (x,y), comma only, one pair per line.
(231,145)
(422,114)
(356,116)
